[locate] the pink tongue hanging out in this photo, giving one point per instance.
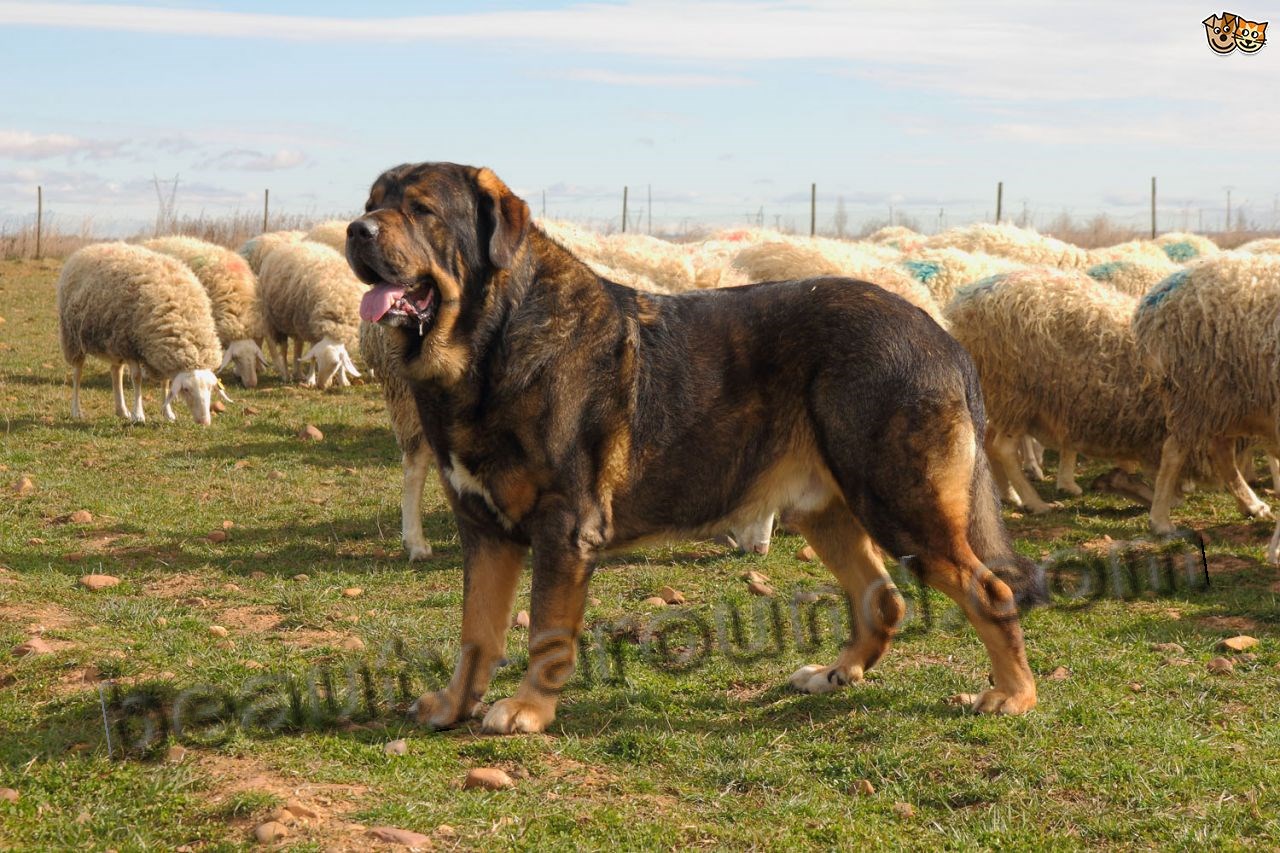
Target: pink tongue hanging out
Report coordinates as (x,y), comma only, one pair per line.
(378,301)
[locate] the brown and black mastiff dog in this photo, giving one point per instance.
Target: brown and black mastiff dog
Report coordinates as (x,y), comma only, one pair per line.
(572,416)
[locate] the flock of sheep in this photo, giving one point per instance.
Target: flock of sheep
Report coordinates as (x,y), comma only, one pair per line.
(1159,355)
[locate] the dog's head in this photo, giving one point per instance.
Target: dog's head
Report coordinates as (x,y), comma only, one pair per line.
(433,238)
(1221,30)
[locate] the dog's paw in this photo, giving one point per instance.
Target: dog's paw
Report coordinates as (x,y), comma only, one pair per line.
(994,702)
(816,678)
(512,716)
(438,710)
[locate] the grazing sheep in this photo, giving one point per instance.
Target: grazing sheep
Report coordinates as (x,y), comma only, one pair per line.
(897,236)
(1134,277)
(1211,336)
(1008,241)
(332,233)
(233,293)
(943,271)
(406,425)
(1134,250)
(147,311)
(1058,360)
(255,249)
(1265,246)
(587,246)
(309,293)
(1182,246)
(778,261)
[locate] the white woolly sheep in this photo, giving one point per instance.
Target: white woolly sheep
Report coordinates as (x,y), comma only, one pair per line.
(332,233)
(1134,277)
(1264,246)
(1008,241)
(1134,250)
(309,293)
(140,309)
(406,425)
(1058,360)
(1182,246)
(944,271)
(1211,335)
(780,260)
(897,236)
(255,249)
(233,293)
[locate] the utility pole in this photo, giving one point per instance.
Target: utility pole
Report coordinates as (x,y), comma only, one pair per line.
(266,209)
(544,204)
(39,218)
(624,210)
(1228,225)
(999,200)
(813,209)
(1153,207)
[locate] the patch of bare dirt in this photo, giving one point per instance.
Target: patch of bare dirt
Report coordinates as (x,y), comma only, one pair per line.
(1238,624)
(36,618)
(177,585)
(253,619)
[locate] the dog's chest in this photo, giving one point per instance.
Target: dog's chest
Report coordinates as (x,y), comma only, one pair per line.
(465,482)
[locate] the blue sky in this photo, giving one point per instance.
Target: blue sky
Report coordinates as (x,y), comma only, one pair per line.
(724,108)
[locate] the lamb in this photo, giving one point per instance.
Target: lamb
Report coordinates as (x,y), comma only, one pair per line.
(406,425)
(332,233)
(137,308)
(255,249)
(233,293)
(1058,360)
(1182,246)
(1008,241)
(1211,336)
(943,271)
(309,294)
(780,260)
(1134,277)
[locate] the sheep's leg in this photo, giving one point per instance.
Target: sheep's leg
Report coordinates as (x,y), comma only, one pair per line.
(1222,452)
(1066,480)
(1005,447)
(76,370)
(1006,491)
(167,409)
(279,350)
(1173,455)
(135,381)
(298,344)
(1032,453)
(416,466)
(1274,464)
(1273,549)
(117,389)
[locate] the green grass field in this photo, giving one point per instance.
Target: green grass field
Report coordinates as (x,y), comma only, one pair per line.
(1131,747)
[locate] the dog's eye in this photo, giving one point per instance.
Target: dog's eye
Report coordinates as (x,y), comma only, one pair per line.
(420,209)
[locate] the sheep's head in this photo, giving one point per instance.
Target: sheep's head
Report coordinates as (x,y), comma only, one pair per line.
(753,537)
(196,388)
(333,363)
(245,354)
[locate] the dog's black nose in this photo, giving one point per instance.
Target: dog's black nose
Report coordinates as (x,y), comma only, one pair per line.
(362,229)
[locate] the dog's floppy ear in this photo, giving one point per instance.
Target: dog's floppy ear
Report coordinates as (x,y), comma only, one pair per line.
(509,214)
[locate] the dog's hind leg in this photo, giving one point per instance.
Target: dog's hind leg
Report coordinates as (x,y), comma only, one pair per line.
(490,570)
(875,603)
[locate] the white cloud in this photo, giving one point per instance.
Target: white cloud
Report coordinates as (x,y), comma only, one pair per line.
(679,81)
(248,160)
(1030,51)
(24,145)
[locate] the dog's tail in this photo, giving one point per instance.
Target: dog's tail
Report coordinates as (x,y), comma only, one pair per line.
(987,534)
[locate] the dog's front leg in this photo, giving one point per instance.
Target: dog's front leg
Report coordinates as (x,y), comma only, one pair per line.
(490,571)
(561,569)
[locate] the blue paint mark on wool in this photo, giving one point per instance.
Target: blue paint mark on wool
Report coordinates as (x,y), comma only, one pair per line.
(1183,250)
(1107,271)
(922,271)
(1161,291)
(981,286)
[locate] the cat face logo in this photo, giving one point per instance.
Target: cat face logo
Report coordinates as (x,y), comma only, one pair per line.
(1221,30)
(1227,31)
(1250,37)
